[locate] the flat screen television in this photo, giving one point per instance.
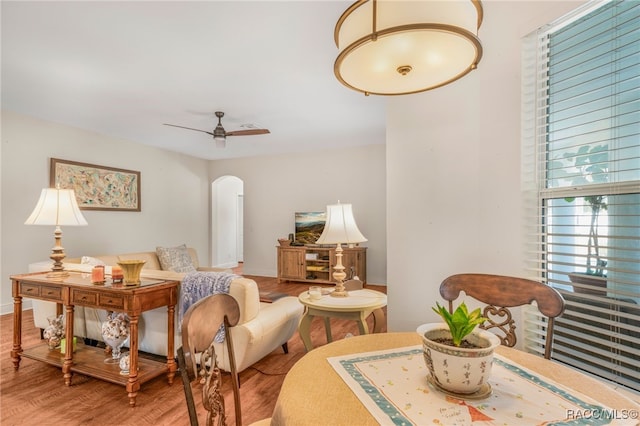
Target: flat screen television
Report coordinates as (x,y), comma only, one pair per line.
(309,226)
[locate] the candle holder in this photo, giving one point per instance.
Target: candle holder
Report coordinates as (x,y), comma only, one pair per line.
(97,274)
(117,275)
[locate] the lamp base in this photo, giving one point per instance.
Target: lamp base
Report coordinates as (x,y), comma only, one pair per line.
(338,293)
(58,274)
(339,275)
(57,255)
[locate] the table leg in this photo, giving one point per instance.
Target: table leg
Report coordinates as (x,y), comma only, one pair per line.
(327,329)
(132,384)
(17,328)
(362,323)
(304,330)
(171,361)
(378,320)
(68,354)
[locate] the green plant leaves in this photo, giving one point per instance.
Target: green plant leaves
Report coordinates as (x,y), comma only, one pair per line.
(462,322)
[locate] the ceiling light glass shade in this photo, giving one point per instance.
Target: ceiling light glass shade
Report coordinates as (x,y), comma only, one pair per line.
(56,207)
(340,226)
(220,142)
(396,47)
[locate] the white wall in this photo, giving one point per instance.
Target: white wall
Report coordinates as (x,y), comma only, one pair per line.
(276,187)
(453,170)
(175,197)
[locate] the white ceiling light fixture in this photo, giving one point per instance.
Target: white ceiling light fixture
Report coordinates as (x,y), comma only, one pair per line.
(399,47)
(219,134)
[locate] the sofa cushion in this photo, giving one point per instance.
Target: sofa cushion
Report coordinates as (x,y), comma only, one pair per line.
(194,258)
(176,259)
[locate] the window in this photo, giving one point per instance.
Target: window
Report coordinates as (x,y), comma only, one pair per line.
(581,163)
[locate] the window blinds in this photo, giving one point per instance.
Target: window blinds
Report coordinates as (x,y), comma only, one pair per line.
(581,122)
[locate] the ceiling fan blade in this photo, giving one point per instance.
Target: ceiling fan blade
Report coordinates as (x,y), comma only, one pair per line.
(248,132)
(189,128)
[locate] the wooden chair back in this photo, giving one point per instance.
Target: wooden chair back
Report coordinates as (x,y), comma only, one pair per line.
(200,324)
(500,293)
(353,285)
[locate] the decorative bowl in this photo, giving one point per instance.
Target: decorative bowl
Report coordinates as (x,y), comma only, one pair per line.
(131,270)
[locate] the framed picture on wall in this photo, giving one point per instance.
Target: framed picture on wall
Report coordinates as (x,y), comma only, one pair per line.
(97,187)
(309,226)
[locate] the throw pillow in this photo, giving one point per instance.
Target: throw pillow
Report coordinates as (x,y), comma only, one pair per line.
(176,259)
(88,260)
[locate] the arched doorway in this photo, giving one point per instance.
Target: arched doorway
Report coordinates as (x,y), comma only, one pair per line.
(227,195)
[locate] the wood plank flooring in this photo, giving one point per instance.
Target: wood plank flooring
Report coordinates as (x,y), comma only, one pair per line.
(36,395)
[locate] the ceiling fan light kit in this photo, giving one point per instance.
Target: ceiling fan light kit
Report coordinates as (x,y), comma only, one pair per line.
(392,47)
(220,134)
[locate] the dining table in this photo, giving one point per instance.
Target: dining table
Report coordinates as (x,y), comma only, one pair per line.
(382,379)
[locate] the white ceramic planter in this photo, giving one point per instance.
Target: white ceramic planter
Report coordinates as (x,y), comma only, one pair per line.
(458,370)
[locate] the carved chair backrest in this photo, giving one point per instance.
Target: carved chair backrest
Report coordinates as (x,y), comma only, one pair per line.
(200,324)
(353,285)
(500,293)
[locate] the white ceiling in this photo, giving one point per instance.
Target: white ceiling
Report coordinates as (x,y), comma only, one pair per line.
(124,68)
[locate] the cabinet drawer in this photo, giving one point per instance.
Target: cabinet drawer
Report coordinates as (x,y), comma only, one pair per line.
(111,301)
(94,298)
(51,292)
(41,291)
(79,297)
(27,289)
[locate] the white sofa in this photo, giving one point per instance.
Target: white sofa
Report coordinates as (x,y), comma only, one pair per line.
(263,327)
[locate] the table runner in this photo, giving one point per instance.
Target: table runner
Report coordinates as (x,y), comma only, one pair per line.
(393,386)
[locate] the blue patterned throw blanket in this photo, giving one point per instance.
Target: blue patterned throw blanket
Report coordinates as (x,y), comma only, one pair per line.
(196,285)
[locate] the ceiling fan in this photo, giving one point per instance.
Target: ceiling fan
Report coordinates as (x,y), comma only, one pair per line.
(220,135)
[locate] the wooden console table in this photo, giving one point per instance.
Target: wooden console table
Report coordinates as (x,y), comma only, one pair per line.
(77,289)
(313,264)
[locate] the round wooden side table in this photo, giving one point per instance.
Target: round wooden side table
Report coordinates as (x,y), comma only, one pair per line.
(357,307)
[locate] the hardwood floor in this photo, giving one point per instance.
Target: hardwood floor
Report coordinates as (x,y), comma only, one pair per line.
(36,395)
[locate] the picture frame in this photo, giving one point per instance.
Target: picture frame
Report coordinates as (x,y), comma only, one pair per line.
(309,226)
(97,187)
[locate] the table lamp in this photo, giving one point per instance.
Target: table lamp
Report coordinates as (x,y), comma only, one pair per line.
(57,207)
(340,228)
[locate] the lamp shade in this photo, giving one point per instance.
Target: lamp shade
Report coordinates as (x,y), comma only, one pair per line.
(391,47)
(57,207)
(340,226)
